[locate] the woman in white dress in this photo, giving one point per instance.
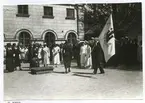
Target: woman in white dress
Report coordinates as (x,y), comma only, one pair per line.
(56,56)
(89,57)
(22,52)
(83,54)
(26,54)
(46,55)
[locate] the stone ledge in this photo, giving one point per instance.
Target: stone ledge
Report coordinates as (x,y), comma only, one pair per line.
(47,16)
(22,15)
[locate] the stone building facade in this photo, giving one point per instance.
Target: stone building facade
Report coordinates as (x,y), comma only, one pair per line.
(42,23)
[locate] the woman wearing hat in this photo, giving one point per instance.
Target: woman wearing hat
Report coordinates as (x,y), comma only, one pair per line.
(9,58)
(16,52)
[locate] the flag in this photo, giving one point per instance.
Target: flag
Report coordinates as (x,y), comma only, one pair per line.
(107,39)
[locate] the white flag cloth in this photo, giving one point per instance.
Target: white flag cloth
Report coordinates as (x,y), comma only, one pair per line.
(107,39)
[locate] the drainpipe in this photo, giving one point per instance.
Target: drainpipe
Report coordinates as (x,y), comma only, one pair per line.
(77,14)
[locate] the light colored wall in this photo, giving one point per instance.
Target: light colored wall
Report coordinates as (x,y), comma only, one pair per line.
(35,23)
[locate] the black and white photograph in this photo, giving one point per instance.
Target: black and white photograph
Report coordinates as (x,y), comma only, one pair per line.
(73,51)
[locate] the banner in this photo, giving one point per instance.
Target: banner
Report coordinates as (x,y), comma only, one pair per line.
(107,39)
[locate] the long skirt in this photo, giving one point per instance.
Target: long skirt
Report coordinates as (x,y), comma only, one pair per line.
(17,62)
(56,59)
(35,62)
(9,64)
(83,60)
(67,61)
(22,56)
(46,60)
(89,61)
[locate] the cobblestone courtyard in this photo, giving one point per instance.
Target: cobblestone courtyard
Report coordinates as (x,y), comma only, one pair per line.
(78,84)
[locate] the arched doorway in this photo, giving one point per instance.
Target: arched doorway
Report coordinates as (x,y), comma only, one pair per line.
(24,38)
(72,38)
(50,41)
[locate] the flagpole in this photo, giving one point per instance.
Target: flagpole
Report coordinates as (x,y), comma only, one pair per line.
(113,12)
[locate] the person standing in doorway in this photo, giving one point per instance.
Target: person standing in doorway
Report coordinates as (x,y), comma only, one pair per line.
(22,52)
(26,54)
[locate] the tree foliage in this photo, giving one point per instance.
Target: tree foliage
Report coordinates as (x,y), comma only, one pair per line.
(126,16)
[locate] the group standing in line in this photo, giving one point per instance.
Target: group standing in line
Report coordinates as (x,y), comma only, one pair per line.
(37,54)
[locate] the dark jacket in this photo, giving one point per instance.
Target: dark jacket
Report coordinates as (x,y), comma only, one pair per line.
(97,54)
(67,51)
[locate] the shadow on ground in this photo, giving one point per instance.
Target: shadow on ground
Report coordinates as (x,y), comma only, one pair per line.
(82,73)
(58,72)
(127,68)
(84,76)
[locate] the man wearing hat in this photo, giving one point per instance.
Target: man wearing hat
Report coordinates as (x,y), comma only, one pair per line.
(97,56)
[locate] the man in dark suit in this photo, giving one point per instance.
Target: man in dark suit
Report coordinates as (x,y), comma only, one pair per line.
(76,49)
(97,57)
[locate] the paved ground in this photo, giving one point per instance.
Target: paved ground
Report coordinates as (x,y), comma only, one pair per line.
(79,84)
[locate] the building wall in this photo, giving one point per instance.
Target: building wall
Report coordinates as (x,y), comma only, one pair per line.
(36,25)
(81,22)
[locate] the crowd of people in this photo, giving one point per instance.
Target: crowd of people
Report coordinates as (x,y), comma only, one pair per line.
(88,54)
(40,55)
(128,52)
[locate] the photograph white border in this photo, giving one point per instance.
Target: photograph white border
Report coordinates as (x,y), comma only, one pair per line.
(12,2)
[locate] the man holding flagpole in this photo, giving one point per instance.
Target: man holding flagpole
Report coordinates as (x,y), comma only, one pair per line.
(97,57)
(104,44)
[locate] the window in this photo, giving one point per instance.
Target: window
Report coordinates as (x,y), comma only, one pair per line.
(48,12)
(72,38)
(23,11)
(24,38)
(70,13)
